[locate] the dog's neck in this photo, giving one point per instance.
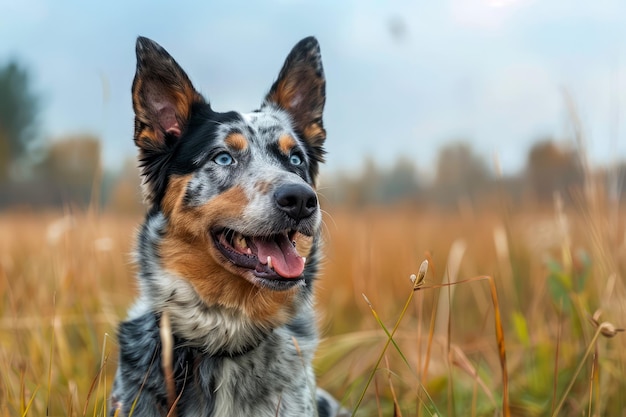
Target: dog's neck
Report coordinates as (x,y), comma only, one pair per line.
(215,329)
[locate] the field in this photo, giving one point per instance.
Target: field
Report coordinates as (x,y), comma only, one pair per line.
(66,279)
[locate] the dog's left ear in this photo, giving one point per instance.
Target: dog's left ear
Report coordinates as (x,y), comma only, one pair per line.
(301,91)
(163,98)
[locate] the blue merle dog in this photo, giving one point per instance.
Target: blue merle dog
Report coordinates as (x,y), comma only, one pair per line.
(229,249)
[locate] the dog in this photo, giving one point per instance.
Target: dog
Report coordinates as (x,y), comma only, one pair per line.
(227,256)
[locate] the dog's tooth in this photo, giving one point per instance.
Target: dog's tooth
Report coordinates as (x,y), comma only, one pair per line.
(231,236)
(249,251)
(304,260)
(269,262)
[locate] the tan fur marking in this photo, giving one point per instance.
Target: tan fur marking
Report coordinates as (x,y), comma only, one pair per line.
(188,250)
(263,187)
(304,112)
(285,93)
(314,133)
(174,194)
(236,141)
(286,143)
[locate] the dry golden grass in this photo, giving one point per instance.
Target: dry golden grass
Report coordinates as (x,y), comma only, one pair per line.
(66,279)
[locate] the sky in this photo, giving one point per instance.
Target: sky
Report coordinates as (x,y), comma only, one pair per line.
(404,78)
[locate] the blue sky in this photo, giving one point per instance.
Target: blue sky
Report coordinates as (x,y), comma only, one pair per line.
(403,77)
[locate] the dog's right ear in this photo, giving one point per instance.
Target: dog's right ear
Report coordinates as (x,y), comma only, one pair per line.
(163,98)
(300,90)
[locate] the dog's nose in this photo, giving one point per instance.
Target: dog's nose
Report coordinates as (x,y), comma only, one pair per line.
(297,200)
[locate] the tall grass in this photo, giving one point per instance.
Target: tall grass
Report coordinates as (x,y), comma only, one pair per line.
(553,268)
(66,279)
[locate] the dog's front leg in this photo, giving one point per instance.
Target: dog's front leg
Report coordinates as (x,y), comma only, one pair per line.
(139,387)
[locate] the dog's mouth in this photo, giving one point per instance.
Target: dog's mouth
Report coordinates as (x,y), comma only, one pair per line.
(272,257)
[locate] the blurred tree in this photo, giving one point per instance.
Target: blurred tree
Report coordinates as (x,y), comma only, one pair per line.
(400,182)
(73,165)
(552,168)
(460,173)
(374,184)
(68,172)
(354,190)
(19,108)
(72,160)
(125,196)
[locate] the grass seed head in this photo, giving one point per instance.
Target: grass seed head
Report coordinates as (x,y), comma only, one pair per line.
(606,329)
(421,275)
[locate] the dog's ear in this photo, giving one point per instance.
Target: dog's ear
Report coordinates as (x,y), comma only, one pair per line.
(163,98)
(301,91)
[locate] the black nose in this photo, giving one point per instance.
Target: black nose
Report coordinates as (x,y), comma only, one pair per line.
(297,200)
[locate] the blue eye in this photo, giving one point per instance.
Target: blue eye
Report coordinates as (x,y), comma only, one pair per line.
(295,159)
(223,159)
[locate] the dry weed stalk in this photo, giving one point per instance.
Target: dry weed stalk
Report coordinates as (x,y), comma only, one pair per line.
(167,355)
(605,329)
(506,409)
(418,284)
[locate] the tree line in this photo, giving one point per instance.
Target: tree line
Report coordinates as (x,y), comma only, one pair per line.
(68,170)
(462,175)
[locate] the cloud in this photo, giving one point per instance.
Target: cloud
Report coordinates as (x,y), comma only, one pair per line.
(486,14)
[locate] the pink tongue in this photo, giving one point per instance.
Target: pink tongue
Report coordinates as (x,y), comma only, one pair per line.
(285,260)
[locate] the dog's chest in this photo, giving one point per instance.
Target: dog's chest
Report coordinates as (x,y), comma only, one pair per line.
(273,379)
(265,383)
(269,381)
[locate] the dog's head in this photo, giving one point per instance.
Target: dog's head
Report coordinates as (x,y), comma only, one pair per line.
(237,189)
